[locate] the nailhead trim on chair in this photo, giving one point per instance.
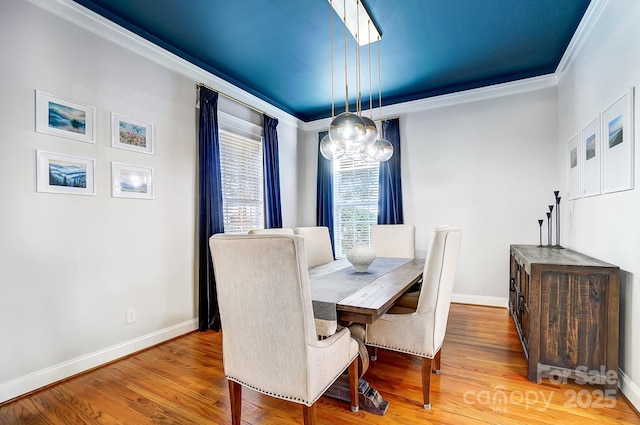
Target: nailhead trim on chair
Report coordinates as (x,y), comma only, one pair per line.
(284,397)
(400,350)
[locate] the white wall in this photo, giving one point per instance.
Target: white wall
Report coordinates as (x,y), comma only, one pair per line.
(488,166)
(71,265)
(607,226)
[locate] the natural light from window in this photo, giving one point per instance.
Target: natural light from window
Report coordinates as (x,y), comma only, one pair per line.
(242,182)
(355,202)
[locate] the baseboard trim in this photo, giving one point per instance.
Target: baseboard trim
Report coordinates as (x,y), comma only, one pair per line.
(42,378)
(480,300)
(630,390)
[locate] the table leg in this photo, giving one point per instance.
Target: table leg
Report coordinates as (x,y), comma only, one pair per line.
(370,398)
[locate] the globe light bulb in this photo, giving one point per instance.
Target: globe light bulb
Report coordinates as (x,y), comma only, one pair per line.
(330,149)
(370,131)
(387,150)
(347,128)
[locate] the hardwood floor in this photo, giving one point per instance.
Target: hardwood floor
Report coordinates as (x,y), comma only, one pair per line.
(483,381)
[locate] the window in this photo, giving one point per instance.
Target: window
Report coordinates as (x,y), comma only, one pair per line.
(242,182)
(355,202)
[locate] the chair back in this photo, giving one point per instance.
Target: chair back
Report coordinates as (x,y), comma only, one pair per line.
(266,312)
(438,278)
(272,231)
(317,242)
(394,240)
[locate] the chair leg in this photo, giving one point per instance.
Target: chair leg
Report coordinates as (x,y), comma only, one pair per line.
(437,363)
(353,385)
(309,414)
(374,356)
(235,396)
(426,382)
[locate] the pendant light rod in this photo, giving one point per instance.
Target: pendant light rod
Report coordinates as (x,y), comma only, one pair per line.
(370,87)
(333,105)
(346,65)
(358,85)
(379,85)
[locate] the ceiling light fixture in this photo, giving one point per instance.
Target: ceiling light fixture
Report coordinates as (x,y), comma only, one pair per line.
(349,133)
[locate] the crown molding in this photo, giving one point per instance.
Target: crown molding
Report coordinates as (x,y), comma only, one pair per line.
(93,22)
(467,96)
(581,34)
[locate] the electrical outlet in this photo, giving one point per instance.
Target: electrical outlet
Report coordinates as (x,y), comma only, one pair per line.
(131,315)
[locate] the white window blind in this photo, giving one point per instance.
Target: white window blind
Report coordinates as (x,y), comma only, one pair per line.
(242,182)
(355,202)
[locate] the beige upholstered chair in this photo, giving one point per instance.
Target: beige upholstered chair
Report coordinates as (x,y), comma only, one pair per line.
(317,237)
(273,231)
(393,240)
(317,242)
(420,331)
(269,342)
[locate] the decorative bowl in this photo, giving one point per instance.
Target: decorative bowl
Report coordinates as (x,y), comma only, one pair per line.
(361,257)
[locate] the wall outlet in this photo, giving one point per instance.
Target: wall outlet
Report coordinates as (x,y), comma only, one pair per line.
(131,315)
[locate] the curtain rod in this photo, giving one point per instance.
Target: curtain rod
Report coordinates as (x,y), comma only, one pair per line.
(246,105)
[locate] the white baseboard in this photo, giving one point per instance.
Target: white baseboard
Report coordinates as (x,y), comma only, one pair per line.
(630,389)
(44,377)
(480,300)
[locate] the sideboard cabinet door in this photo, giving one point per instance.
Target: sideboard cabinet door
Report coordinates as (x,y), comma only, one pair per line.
(565,307)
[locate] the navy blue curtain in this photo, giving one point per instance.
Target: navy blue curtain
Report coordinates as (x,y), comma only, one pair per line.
(211,220)
(390,181)
(272,206)
(324,192)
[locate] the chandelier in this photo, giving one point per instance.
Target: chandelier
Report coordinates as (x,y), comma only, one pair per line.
(352,134)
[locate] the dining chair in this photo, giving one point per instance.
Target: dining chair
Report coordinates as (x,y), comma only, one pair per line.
(272,231)
(324,328)
(420,330)
(317,242)
(269,343)
(393,240)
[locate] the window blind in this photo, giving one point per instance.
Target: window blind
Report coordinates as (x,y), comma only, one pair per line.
(242,182)
(355,202)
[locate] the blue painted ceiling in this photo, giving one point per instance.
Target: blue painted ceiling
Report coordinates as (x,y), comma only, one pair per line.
(280,50)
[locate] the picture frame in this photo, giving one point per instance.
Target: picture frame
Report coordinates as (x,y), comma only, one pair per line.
(132,181)
(591,159)
(618,145)
(64,118)
(60,173)
(574,166)
(132,134)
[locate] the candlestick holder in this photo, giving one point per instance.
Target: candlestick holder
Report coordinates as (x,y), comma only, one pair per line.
(556,193)
(540,224)
(549,229)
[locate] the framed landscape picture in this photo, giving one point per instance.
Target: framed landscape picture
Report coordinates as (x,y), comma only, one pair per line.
(131,181)
(591,159)
(61,117)
(574,177)
(617,145)
(58,173)
(131,134)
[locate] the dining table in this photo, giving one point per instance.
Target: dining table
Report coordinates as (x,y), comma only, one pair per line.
(342,296)
(340,293)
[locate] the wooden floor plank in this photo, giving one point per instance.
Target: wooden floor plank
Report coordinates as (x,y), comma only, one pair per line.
(483,381)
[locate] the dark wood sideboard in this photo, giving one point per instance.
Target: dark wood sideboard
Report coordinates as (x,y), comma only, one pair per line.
(565,306)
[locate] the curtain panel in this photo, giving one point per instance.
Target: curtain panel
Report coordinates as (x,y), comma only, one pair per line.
(390,181)
(324,192)
(210,207)
(272,205)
